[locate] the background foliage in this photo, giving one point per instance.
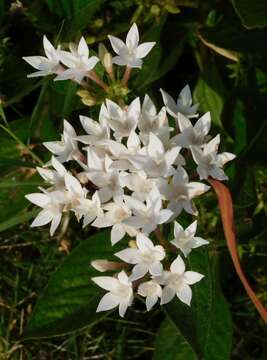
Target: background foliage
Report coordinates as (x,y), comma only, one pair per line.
(219,48)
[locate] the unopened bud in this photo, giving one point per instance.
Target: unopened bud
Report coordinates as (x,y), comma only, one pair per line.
(105,265)
(86,97)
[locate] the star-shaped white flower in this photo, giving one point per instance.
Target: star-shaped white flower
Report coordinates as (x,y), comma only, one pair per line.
(147,216)
(177,281)
(46,65)
(116,214)
(183,104)
(151,121)
(100,172)
(154,160)
(185,240)
(120,292)
(67,148)
(146,258)
(97,131)
(139,183)
(180,192)
(130,53)
(152,291)
(192,135)
(78,62)
(123,121)
(53,204)
(54,177)
(209,163)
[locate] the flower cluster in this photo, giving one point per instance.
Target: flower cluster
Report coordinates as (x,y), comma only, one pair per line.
(129,174)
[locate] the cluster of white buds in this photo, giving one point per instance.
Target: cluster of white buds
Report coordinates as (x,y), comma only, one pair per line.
(130,175)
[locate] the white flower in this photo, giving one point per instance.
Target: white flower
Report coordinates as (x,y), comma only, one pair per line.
(147,257)
(89,209)
(67,148)
(177,281)
(185,240)
(151,290)
(78,62)
(139,184)
(209,163)
(52,204)
(46,65)
(180,192)
(54,177)
(101,173)
(131,53)
(154,160)
(97,130)
(123,121)
(150,121)
(183,104)
(117,212)
(192,135)
(147,216)
(120,292)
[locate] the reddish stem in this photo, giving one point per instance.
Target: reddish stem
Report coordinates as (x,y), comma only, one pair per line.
(126,76)
(227,215)
(93,76)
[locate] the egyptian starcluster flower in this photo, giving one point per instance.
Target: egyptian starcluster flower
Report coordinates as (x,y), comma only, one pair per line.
(128,171)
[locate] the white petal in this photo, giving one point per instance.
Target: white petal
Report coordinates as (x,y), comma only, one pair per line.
(178,230)
(191,229)
(56,147)
(38,199)
(167,295)
(83,48)
(108,301)
(169,103)
(185,294)
(106,282)
(73,184)
(44,217)
(116,43)
(143,242)
(130,256)
(138,272)
(183,122)
(224,157)
(54,223)
(178,266)
(155,147)
(151,301)
(34,61)
(144,49)
(132,37)
(58,166)
(212,145)
(196,189)
(164,216)
(202,126)
(121,61)
(197,242)
(172,154)
(156,269)
(123,306)
(48,48)
(192,277)
(91,63)
(117,233)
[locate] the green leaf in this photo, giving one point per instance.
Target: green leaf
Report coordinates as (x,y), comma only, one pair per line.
(209,93)
(206,325)
(252,13)
(18,219)
(70,299)
(78,12)
(171,345)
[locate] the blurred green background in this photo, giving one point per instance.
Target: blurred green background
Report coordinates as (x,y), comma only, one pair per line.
(220,49)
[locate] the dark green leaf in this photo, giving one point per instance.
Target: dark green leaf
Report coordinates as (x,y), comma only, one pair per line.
(171,345)
(70,299)
(252,13)
(206,325)
(18,219)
